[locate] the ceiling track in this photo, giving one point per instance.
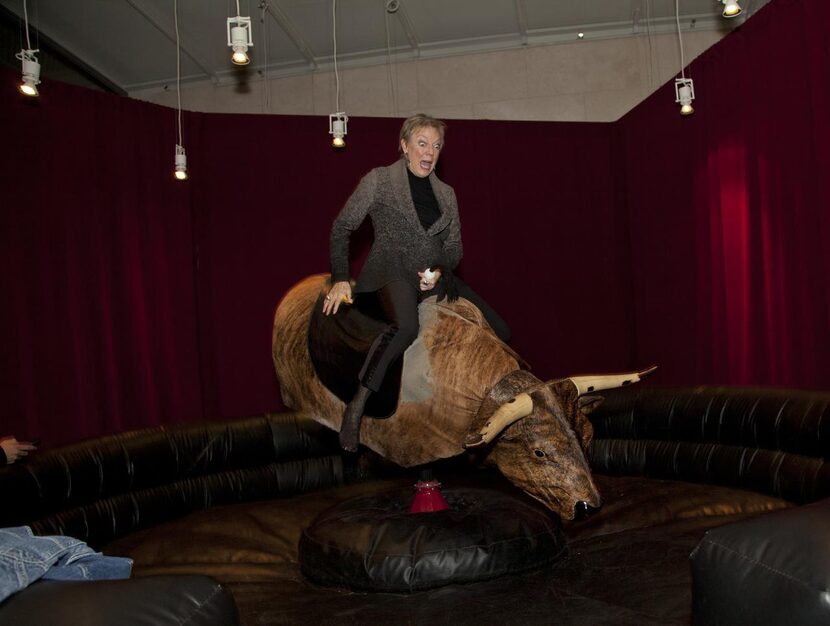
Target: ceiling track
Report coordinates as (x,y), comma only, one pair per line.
(273,8)
(52,48)
(165,26)
(408,29)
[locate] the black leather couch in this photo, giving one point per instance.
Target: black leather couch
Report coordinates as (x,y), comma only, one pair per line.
(107,488)
(227,501)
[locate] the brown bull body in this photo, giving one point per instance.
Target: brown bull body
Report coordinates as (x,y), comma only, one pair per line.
(460,383)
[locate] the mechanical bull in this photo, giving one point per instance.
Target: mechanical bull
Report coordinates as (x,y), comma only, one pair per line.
(461,388)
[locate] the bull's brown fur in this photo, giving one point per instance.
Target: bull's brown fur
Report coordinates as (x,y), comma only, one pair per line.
(456,374)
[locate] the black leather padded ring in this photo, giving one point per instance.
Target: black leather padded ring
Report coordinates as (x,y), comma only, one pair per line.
(374,543)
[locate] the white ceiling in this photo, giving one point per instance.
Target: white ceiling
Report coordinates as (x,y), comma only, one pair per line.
(132,42)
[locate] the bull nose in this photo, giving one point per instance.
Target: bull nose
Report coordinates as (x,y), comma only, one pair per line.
(583,510)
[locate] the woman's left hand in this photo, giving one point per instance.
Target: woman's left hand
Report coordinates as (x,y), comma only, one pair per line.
(426,284)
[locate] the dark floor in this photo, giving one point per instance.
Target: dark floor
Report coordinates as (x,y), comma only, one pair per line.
(626,565)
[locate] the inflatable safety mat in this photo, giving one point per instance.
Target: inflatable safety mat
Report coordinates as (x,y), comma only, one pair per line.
(374,543)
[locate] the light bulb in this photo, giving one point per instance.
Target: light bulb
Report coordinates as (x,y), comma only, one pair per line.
(338,142)
(731,8)
(180,175)
(28,88)
(686,109)
(240,58)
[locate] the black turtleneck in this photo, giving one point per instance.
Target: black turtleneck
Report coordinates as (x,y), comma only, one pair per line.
(424,198)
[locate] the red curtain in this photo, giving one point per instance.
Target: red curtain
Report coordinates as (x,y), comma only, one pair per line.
(729,220)
(695,243)
(97,268)
(135,300)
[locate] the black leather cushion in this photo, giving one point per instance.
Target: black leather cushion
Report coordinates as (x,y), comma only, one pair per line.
(774,441)
(105,488)
(151,601)
(770,569)
(374,543)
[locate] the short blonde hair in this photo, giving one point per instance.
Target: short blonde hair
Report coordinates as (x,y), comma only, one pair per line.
(420,120)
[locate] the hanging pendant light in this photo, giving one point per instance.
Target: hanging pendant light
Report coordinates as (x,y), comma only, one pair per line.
(684,91)
(684,88)
(338,129)
(337,121)
(30,68)
(240,37)
(30,72)
(180,158)
(180,163)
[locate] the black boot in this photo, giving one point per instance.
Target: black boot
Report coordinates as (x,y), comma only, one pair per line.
(350,427)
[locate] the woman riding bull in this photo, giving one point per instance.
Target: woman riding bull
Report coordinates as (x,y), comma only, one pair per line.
(416,247)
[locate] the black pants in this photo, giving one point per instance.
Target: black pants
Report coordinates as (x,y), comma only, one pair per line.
(399,302)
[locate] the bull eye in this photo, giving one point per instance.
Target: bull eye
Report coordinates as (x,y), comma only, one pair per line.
(539,453)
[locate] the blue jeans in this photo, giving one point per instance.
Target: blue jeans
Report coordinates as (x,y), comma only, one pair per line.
(24,558)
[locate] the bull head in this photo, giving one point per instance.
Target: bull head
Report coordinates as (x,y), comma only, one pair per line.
(541,433)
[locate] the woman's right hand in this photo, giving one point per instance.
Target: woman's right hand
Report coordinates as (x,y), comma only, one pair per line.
(340,292)
(14,449)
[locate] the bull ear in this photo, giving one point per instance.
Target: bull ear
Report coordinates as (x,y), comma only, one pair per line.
(582,426)
(589,403)
(508,413)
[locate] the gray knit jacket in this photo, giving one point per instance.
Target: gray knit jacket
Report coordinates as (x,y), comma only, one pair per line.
(401,247)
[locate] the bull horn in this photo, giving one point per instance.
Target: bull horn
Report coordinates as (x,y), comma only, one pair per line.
(508,413)
(598,382)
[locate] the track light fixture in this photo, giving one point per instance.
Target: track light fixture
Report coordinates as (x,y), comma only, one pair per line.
(684,91)
(684,88)
(239,37)
(180,159)
(31,68)
(337,129)
(180,163)
(31,72)
(339,120)
(731,8)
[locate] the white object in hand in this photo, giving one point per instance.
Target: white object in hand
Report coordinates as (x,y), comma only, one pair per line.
(428,275)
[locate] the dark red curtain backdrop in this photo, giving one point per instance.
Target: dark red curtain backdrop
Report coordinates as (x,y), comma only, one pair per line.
(729,211)
(136,300)
(130,299)
(98,308)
